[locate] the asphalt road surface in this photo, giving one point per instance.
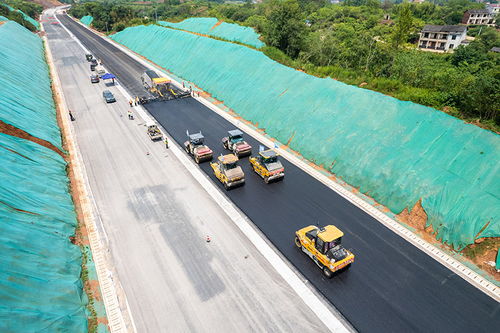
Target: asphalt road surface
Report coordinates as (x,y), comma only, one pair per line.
(157,217)
(391,287)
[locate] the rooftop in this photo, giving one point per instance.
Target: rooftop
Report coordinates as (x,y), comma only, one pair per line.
(444,28)
(229,158)
(268,153)
(330,233)
(235,132)
(478,11)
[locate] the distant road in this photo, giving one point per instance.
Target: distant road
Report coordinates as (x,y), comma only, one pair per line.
(392,286)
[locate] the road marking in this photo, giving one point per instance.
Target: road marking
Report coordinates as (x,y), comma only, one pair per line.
(316,305)
(446,260)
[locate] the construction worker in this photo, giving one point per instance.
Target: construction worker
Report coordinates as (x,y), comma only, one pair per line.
(166,142)
(130,102)
(130,115)
(137,100)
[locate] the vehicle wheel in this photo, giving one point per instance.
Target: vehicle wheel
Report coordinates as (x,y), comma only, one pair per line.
(186,149)
(197,160)
(347,267)
(327,273)
(266,180)
(297,242)
(226,186)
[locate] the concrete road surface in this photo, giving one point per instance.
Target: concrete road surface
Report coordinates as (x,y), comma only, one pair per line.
(392,287)
(157,218)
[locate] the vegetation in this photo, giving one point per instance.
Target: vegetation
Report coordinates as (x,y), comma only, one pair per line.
(29,8)
(360,42)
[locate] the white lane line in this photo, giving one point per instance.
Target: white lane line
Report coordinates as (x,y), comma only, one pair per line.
(310,299)
(446,260)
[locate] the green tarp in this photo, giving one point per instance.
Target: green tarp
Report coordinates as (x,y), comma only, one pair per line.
(228,31)
(397,152)
(40,286)
(26,97)
(87,20)
(26,17)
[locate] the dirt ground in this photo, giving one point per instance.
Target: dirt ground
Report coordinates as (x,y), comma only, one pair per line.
(47,3)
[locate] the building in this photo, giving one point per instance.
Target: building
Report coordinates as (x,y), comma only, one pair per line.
(478,17)
(493,8)
(441,38)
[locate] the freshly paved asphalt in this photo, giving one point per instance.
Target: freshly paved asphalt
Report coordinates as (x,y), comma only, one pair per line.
(391,287)
(156,217)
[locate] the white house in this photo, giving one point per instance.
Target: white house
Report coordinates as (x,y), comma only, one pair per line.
(441,38)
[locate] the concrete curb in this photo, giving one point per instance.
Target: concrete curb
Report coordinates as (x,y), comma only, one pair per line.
(114,313)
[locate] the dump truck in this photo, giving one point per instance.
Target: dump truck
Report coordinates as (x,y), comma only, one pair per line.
(227,170)
(234,142)
(324,247)
(267,165)
(195,147)
(153,131)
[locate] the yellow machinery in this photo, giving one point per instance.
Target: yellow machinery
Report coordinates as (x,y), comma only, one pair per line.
(227,170)
(161,86)
(267,165)
(323,246)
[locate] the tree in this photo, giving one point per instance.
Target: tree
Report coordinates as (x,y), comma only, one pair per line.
(404,25)
(286,28)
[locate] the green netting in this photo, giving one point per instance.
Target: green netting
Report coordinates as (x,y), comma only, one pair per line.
(26,17)
(397,152)
(87,20)
(228,31)
(26,96)
(40,286)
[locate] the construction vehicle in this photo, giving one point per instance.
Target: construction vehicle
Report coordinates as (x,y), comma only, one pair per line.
(153,131)
(195,147)
(323,246)
(267,165)
(162,88)
(234,142)
(227,170)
